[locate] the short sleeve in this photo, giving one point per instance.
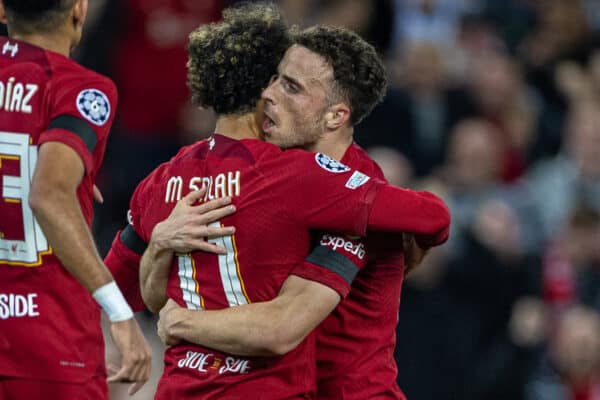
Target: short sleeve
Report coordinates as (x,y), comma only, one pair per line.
(81,114)
(322,193)
(334,262)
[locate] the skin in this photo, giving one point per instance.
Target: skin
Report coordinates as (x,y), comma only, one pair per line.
(302,109)
(53,200)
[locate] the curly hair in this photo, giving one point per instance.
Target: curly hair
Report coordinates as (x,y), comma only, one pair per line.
(30,16)
(231,62)
(358,71)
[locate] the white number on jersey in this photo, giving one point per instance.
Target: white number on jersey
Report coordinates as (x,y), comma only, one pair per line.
(15,189)
(231,279)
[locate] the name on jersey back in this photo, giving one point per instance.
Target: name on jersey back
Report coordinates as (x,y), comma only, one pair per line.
(226,184)
(16,96)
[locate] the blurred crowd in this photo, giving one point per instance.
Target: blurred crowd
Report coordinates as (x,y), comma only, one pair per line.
(493,105)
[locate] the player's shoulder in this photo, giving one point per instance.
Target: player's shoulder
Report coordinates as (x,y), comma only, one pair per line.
(189,150)
(294,160)
(219,147)
(67,71)
(81,90)
(19,54)
(146,189)
(358,158)
(261,150)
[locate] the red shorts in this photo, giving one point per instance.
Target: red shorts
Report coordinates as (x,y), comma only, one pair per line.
(28,389)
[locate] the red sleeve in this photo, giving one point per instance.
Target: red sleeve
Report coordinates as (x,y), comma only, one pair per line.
(322,193)
(123,259)
(419,212)
(124,265)
(81,114)
(137,205)
(334,262)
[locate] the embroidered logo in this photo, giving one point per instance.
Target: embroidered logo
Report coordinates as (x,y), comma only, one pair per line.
(357,179)
(329,164)
(94,106)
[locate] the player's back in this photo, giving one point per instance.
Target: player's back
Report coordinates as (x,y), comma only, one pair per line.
(355,344)
(42,99)
(274,207)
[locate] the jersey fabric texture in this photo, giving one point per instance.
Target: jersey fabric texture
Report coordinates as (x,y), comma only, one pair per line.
(49,323)
(279,195)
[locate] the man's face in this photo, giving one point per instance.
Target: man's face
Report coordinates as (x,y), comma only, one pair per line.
(296,101)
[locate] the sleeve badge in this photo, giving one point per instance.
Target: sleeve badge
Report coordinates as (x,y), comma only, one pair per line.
(329,164)
(94,106)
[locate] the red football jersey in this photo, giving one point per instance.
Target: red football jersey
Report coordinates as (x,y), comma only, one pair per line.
(49,323)
(279,196)
(355,344)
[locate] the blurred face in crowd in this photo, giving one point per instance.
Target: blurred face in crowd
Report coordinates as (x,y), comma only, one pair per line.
(583,131)
(297,99)
(395,166)
(495,81)
(424,70)
(577,343)
(475,153)
(583,245)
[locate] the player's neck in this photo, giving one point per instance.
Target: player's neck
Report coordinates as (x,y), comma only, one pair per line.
(57,42)
(238,126)
(333,144)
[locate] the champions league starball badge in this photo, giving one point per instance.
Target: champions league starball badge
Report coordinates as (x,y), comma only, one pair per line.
(94,106)
(329,164)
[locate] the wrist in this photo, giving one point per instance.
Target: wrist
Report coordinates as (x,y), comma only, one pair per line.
(159,243)
(112,302)
(178,322)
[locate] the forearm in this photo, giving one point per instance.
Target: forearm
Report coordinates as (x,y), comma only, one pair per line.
(421,213)
(124,265)
(155,267)
(245,330)
(60,217)
(268,328)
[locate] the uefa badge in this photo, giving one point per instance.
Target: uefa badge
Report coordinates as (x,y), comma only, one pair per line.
(329,164)
(94,106)
(356,180)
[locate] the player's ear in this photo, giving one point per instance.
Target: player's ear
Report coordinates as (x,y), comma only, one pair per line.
(80,8)
(337,116)
(2,13)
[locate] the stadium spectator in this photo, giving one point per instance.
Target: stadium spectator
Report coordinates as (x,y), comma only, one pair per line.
(557,185)
(503,98)
(571,369)
(415,116)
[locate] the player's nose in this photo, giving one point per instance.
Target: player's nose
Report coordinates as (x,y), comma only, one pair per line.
(267,93)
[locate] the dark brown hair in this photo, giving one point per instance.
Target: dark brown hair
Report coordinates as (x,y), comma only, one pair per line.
(232,61)
(358,70)
(30,16)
